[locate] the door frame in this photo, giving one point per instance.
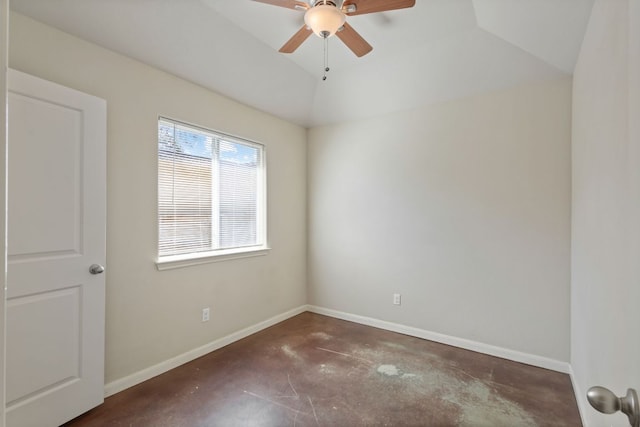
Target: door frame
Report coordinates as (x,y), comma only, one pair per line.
(4,64)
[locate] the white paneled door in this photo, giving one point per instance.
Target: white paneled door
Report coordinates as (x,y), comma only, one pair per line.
(56,232)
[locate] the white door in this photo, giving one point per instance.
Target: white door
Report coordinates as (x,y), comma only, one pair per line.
(56,231)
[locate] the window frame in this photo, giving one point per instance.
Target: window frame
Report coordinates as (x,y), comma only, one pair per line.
(216,255)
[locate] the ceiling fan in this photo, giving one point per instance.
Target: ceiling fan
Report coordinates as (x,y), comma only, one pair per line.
(328,17)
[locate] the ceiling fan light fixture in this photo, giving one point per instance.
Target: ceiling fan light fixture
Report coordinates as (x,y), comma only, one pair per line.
(324,20)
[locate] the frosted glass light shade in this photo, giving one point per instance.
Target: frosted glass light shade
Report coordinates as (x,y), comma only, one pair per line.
(324,20)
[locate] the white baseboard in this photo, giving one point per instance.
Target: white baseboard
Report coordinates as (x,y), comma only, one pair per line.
(504,353)
(162,367)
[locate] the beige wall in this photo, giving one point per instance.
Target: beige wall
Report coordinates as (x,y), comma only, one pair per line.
(463,208)
(605,345)
(151,315)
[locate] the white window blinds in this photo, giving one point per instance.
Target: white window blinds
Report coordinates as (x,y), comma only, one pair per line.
(210,191)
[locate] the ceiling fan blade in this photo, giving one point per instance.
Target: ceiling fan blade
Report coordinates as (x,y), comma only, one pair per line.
(354,41)
(289,4)
(371,6)
(298,38)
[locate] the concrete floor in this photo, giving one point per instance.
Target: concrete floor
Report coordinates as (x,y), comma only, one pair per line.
(313,370)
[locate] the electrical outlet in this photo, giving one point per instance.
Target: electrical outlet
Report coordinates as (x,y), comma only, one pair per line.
(205,314)
(397,298)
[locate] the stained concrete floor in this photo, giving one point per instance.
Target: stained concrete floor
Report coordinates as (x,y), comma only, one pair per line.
(313,370)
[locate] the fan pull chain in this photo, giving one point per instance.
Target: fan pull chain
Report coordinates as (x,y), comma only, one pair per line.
(326,58)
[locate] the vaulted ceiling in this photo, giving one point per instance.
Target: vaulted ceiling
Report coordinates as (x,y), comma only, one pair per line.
(436,51)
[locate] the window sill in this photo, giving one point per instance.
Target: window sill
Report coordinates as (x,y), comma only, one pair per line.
(179,261)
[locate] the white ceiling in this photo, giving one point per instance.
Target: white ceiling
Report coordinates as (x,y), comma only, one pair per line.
(436,51)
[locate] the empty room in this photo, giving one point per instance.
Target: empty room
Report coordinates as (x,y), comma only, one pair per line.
(320,213)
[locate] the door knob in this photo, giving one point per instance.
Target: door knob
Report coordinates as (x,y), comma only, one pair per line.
(96,269)
(605,401)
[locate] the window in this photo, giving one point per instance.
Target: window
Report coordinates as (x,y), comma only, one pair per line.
(211,198)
